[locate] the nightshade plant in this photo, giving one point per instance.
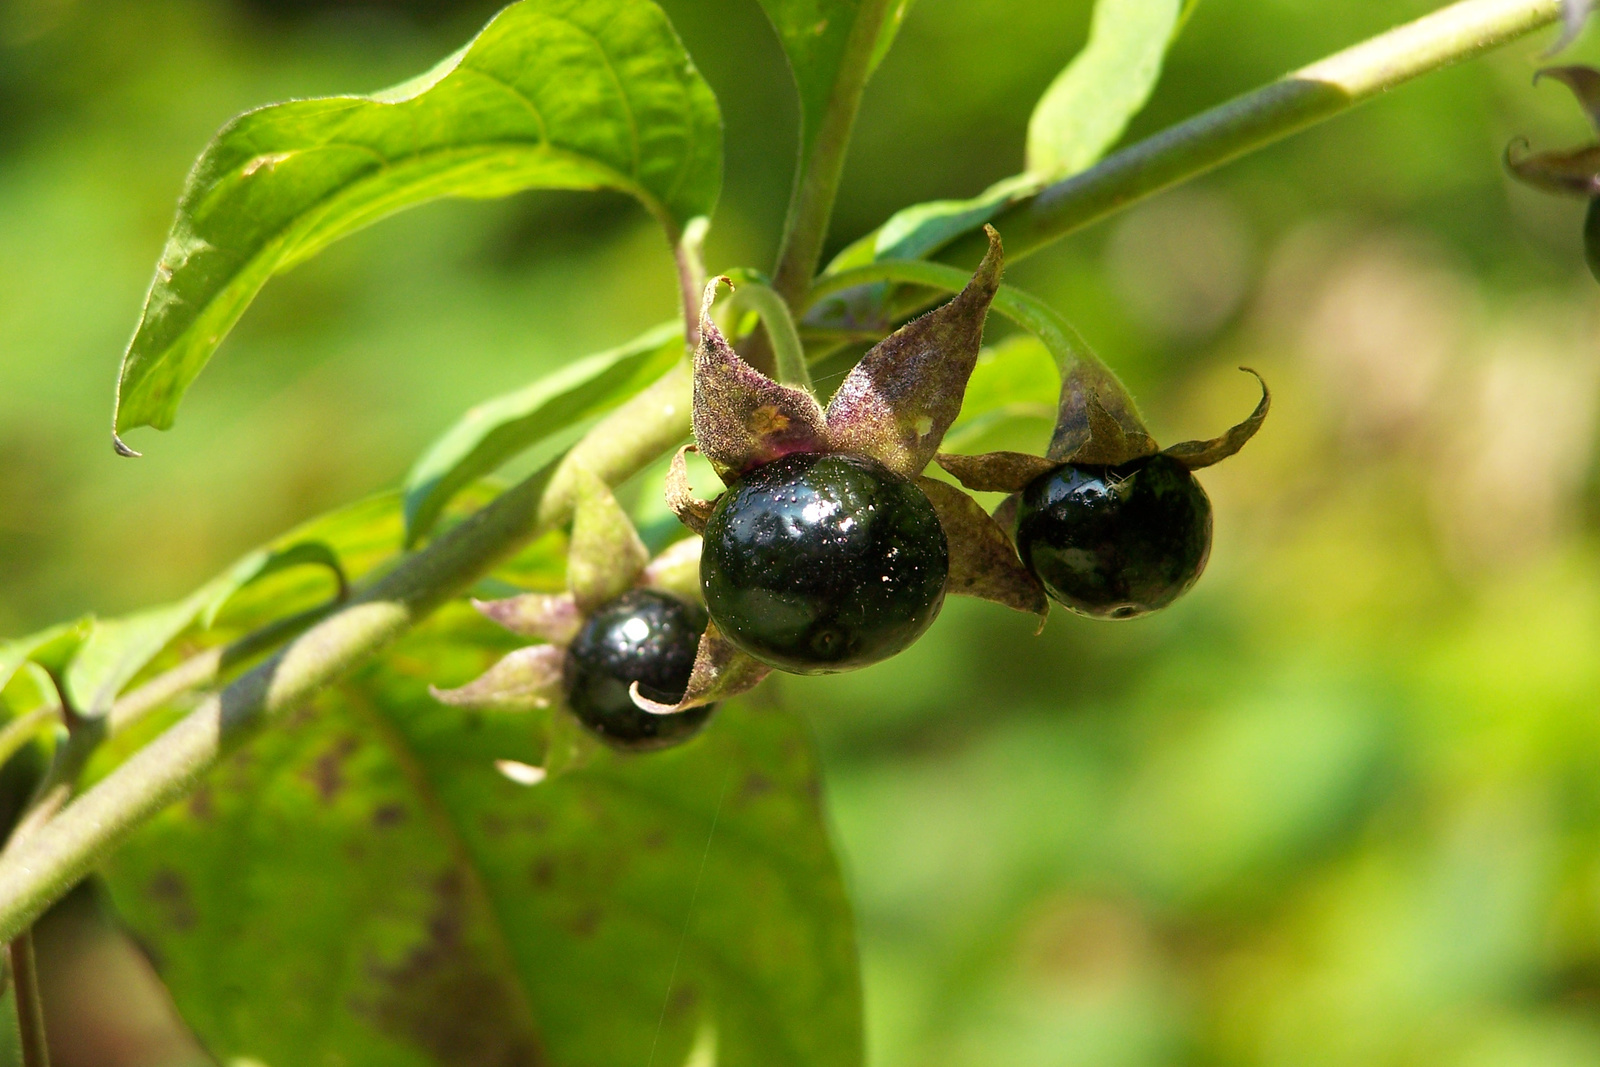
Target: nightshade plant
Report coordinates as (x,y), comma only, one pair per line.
(362,872)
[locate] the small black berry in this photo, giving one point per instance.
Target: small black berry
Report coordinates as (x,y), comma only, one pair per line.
(643,636)
(817,563)
(1115,542)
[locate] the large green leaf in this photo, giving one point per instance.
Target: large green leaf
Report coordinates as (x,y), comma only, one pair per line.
(1089,104)
(364,888)
(572,94)
(498,429)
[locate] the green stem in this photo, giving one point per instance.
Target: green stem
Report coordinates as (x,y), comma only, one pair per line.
(30,1009)
(822,159)
(1304,98)
(52,858)
(789,355)
(688,257)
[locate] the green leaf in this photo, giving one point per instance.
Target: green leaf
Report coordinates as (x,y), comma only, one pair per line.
(571,94)
(367,888)
(52,648)
(498,429)
(1081,115)
(893,19)
(118,649)
(921,229)
(1090,103)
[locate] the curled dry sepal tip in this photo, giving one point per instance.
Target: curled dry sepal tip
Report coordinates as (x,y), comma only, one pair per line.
(1568,171)
(830,550)
(1112,525)
(627,623)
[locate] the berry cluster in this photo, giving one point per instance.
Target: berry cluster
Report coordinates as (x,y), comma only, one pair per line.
(830,549)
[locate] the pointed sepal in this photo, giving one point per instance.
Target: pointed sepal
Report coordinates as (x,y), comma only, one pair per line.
(897,403)
(677,570)
(524,680)
(1584,83)
(995,472)
(720,671)
(1571,172)
(606,556)
(742,418)
(983,563)
(1005,516)
(1197,454)
(690,509)
(551,617)
(1097,423)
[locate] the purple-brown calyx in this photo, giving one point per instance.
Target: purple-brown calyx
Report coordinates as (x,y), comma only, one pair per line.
(1098,426)
(1568,171)
(894,407)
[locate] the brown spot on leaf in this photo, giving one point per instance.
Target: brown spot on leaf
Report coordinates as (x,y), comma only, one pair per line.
(544,872)
(587,921)
(386,815)
(756,785)
(682,1002)
(171,893)
(200,804)
(445,998)
(327,774)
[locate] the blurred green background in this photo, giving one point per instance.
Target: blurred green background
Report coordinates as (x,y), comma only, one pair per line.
(1340,805)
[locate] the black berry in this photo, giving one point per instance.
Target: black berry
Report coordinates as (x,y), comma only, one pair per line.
(1115,542)
(816,563)
(643,636)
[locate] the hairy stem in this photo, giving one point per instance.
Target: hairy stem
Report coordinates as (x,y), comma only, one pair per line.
(822,163)
(30,1010)
(52,858)
(687,256)
(1308,96)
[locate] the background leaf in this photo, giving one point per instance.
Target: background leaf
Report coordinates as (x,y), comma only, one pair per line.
(56,644)
(116,650)
(1079,117)
(479,922)
(496,430)
(1016,379)
(571,94)
(1089,104)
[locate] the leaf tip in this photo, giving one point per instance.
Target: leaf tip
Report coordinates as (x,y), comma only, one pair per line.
(121,448)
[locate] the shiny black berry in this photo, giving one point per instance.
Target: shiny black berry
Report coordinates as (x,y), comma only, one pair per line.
(816,563)
(1115,542)
(643,636)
